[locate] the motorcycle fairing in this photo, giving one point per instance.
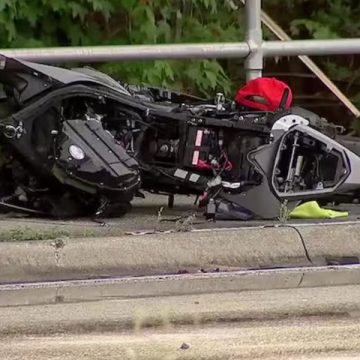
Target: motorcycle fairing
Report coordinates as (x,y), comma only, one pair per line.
(265,200)
(107,158)
(32,79)
(106,167)
(341,167)
(260,200)
(36,111)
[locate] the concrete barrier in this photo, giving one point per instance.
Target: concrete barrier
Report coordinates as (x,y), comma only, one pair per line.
(150,254)
(332,244)
(226,249)
(73,291)
(114,314)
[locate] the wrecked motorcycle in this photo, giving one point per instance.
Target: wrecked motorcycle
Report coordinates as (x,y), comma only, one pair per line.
(77,142)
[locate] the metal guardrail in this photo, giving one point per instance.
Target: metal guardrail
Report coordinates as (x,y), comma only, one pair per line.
(131,52)
(311,47)
(186,51)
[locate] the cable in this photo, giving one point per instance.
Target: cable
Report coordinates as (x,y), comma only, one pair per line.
(301,239)
(300,235)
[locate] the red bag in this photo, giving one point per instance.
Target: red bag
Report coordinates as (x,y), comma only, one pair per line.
(264,94)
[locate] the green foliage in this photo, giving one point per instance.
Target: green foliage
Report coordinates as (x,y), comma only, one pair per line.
(331,19)
(41,23)
(38,23)
(325,19)
(174,21)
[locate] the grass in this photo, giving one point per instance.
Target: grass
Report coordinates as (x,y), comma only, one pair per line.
(29,233)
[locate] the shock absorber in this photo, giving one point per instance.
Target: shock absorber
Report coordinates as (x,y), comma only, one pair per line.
(291,169)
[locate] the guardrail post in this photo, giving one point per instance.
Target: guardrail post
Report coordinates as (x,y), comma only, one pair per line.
(254,62)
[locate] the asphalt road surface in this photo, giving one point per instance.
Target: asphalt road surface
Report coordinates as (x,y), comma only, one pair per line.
(144,216)
(307,338)
(294,323)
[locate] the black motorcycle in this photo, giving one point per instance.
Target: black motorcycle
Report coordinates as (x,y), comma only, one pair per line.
(77,142)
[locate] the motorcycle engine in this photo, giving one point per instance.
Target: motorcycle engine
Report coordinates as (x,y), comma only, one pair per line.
(164,149)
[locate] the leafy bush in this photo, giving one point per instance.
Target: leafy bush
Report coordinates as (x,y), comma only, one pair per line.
(37,23)
(327,19)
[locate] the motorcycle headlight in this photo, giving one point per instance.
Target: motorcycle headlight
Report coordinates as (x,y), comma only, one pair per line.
(76,152)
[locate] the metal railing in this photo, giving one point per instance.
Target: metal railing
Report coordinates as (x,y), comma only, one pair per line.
(186,51)
(131,52)
(254,48)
